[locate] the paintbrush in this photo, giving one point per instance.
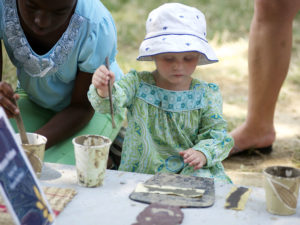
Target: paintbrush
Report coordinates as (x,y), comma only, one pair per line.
(110,97)
(20,126)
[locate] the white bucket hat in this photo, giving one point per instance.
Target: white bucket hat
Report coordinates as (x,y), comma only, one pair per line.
(174,27)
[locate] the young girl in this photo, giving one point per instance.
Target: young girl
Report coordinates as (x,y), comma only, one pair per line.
(175,122)
(56,45)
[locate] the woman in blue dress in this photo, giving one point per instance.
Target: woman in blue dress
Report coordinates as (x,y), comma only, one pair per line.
(56,46)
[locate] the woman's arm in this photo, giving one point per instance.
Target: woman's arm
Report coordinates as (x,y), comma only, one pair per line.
(74,117)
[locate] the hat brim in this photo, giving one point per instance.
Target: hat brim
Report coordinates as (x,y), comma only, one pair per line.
(176,44)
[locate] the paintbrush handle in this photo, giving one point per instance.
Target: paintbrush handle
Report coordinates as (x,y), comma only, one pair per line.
(110,97)
(111,106)
(21,127)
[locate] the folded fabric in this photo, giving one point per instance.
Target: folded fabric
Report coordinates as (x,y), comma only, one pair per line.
(58,198)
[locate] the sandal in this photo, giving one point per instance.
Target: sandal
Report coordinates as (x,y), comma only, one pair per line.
(251,151)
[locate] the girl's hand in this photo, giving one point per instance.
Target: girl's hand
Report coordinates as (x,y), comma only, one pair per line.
(100,80)
(194,158)
(7,98)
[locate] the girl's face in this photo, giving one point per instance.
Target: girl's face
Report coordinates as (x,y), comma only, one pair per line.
(44,17)
(175,69)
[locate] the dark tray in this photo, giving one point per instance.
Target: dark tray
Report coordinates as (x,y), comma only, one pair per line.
(177,180)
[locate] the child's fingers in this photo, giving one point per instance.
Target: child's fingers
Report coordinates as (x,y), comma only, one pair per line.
(96,79)
(189,158)
(194,161)
(198,166)
(186,153)
(182,154)
(100,77)
(98,82)
(193,158)
(103,69)
(106,75)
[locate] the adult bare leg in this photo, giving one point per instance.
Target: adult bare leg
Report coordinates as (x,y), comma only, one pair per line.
(270,44)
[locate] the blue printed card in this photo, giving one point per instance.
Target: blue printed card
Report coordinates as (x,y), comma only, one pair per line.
(18,184)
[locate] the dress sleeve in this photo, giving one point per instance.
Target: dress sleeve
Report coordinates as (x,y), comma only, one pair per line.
(123,94)
(213,139)
(100,43)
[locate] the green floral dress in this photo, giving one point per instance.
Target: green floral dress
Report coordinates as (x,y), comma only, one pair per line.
(161,123)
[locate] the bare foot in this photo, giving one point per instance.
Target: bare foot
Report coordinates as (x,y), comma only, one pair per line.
(246,137)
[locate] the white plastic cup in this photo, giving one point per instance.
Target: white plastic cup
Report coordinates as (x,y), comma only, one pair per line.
(91,154)
(35,150)
(281,187)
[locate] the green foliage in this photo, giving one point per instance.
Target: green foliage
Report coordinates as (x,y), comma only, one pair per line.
(231,18)
(227,22)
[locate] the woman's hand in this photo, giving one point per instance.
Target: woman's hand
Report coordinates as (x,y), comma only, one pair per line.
(194,158)
(7,98)
(100,80)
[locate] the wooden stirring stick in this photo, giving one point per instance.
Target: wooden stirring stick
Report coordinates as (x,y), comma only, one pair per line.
(21,127)
(110,97)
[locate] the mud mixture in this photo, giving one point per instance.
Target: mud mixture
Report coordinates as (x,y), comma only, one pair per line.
(94,141)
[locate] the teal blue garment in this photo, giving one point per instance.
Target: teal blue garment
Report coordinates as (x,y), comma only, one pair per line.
(35,116)
(49,79)
(161,123)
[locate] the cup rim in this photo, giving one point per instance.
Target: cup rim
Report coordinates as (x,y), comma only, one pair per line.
(267,173)
(32,133)
(92,135)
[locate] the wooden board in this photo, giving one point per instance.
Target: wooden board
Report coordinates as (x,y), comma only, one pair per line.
(181,181)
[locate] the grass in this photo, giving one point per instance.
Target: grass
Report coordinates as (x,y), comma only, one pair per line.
(220,15)
(228,25)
